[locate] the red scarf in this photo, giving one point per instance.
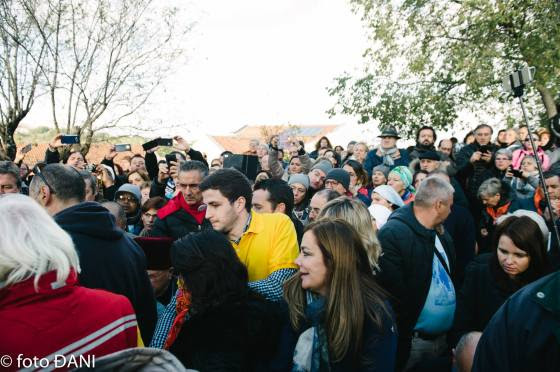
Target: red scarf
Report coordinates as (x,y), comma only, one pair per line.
(178,202)
(182,308)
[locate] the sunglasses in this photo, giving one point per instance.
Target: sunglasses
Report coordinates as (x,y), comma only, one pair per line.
(37,171)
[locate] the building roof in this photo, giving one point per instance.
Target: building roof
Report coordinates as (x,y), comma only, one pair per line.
(97,152)
(238,142)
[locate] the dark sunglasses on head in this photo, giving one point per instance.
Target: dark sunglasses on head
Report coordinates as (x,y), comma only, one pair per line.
(37,171)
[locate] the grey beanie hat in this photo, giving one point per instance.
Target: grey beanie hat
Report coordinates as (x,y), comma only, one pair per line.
(389,194)
(340,176)
(381,168)
(324,165)
(300,178)
(130,188)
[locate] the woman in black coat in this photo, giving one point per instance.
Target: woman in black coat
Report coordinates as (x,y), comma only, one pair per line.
(221,325)
(517,259)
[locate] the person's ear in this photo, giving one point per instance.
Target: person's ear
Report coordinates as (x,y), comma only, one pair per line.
(240,204)
(280,208)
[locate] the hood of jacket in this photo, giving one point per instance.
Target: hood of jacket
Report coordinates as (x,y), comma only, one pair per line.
(406,215)
(91,219)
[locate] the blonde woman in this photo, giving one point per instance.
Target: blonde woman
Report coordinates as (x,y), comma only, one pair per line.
(356,214)
(340,319)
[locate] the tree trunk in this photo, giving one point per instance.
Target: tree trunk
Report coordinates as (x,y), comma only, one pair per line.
(548,101)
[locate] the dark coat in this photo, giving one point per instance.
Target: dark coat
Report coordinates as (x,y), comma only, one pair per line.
(406,269)
(372,160)
(460,225)
(177,225)
(471,174)
(478,299)
(237,336)
(378,348)
(110,260)
(524,335)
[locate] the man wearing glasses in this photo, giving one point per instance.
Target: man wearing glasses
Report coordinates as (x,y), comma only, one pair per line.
(129,198)
(184,213)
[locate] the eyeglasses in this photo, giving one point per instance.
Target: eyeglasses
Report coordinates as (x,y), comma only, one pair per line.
(126,198)
(37,171)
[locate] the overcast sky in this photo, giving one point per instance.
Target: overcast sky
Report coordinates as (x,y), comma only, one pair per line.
(263,62)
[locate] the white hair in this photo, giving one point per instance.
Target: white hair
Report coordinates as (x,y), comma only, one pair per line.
(31,243)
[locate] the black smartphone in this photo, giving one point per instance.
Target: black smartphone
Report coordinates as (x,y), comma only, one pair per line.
(150,144)
(169,158)
(484,148)
(517,173)
(69,139)
(123,147)
(165,141)
(26,149)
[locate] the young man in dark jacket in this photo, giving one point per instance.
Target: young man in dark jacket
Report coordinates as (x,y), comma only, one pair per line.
(416,268)
(109,259)
(184,213)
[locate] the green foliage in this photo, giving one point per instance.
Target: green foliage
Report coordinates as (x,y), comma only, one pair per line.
(430,60)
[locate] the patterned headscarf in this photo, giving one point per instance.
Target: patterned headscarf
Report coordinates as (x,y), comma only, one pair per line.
(405,175)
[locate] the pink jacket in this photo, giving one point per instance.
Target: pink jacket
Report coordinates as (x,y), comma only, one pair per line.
(519,154)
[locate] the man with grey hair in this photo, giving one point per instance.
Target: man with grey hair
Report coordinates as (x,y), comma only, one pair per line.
(109,259)
(10,180)
(417,268)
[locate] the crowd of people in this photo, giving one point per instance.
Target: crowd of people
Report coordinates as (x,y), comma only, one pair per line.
(441,256)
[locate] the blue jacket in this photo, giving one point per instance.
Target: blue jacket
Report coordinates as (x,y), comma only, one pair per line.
(372,160)
(524,335)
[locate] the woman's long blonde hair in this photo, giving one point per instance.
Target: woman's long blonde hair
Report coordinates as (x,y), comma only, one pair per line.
(356,214)
(353,293)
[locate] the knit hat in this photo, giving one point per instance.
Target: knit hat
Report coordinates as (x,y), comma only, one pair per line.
(340,176)
(300,178)
(389,194)
(405,175)
(429,154)
(130,188)
(381,168)
(324,165)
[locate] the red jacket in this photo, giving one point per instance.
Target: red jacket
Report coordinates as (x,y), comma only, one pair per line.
(63,320)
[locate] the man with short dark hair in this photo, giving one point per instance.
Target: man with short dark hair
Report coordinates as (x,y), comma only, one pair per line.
(425,139)
(184,213)
(10,180)
(265,243)
(109,259)
(416,268)
(276,196)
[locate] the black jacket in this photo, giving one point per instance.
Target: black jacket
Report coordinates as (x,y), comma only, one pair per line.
(472,175)
(236,336)
(478,299)
(406,270)
(524,335)
(460,226)
(177,225)
(110,260)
